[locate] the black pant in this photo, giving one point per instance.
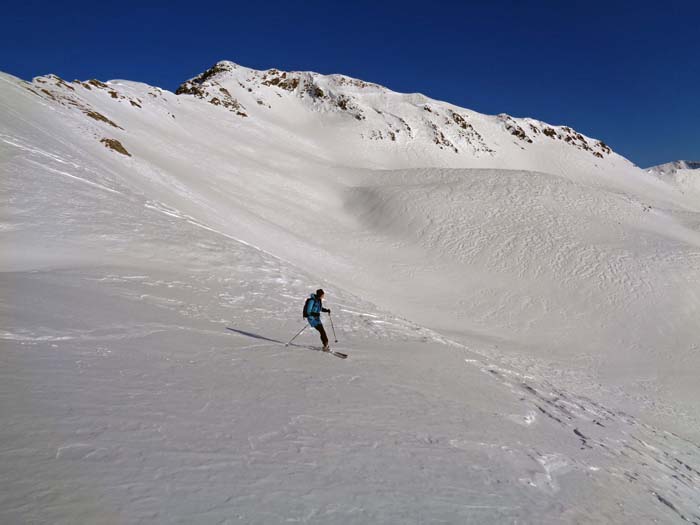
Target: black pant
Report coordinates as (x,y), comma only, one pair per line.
(322,331)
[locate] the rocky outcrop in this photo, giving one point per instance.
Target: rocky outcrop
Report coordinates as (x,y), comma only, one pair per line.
(115,145)
(58,90)
(206,87)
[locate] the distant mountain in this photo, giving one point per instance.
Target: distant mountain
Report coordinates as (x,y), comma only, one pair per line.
(683,174)
(672,167)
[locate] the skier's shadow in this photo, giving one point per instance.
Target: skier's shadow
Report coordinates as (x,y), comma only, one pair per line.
(258,336)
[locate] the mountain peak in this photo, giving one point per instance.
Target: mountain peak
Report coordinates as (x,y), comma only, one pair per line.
(671,167)
(350,108)
(683,174)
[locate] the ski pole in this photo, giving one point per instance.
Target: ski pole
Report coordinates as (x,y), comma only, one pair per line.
(333,327)
(298,334)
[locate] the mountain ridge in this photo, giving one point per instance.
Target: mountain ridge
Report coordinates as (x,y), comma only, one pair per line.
(668,167)
(682,174)
(339,93)
(407,127)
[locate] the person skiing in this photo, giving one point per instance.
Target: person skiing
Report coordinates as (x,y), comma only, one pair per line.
(312,311)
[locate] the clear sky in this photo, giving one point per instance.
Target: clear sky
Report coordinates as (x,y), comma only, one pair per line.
(625,72)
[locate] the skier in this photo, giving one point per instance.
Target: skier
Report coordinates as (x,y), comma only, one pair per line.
(312,311)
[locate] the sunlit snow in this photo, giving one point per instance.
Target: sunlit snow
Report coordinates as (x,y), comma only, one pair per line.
(519,304)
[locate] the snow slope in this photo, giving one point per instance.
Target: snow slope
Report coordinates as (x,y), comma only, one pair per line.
(521,313)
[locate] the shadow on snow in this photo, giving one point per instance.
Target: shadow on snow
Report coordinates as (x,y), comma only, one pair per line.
(256,336)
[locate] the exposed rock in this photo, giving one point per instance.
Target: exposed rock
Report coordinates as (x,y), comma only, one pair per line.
(459,120)
(440,139)
(602,145)
(115,145)
(99,116)
(48,94)
(200,85)
(98,84)
(345,103)
(513,128)
(342,80)
(274,77)
(314,91)
(188,87)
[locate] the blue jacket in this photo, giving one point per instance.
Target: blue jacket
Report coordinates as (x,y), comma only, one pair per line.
(313,309)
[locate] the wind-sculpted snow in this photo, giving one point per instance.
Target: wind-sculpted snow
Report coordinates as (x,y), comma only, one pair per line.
(570,263)
(522,336)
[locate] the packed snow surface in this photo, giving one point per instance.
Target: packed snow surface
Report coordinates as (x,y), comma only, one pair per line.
(520,305)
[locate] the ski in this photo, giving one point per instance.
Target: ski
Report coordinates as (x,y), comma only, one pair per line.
(341,355)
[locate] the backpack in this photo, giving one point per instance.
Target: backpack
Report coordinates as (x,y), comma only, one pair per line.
(306,304)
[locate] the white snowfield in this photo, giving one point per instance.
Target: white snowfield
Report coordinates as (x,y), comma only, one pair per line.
(520,306)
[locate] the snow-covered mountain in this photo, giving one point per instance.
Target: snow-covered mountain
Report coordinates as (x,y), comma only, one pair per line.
(683,174)
(673,167)
(383,128)
(138,224)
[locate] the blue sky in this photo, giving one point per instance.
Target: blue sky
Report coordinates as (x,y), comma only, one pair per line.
(624,72)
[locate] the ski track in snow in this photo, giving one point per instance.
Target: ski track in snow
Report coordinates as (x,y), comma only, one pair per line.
(665,464)
(52,170)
